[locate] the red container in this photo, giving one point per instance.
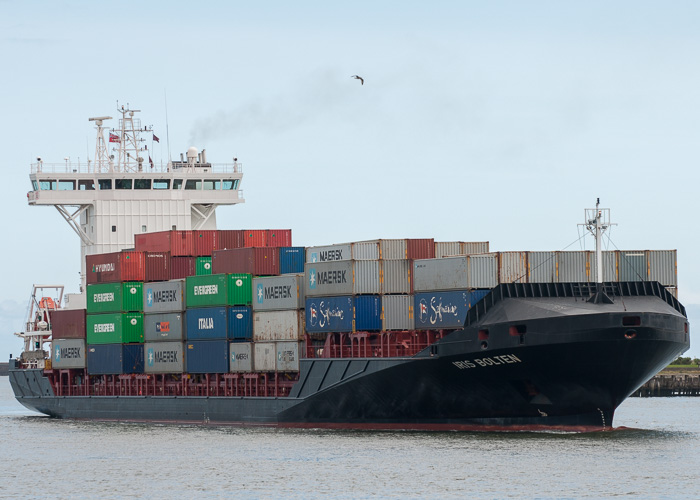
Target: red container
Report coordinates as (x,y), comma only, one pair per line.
(420,249)
(115,267)
(230,238)
(182,267)
(258,261)
(205,242)
(178,243)
(255,237)
(157,266)
(279,238)
(68,324)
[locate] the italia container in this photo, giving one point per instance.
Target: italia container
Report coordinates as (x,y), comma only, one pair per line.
(483,270)
(68,353)
(264,357)
(115,267)
(240,323)
(114,328)
(396,276)
(206,291)
(258,261)
(163,357)
(329,278)
(165,296)
(157,266)
(203,266)
(368,312)
(278,325)
(287,356)
(114,297)
(207,356)
(272,293)
(440,310)
(279,238)
(329,253)
(292,260)
(178,243)
(206,323)
(161,327)
(230,238)
(68,323)
(182,267)
(542,267)
(512,267)
(573,267)
(240,289)
(255,237)
(241,357)
(205,242)
(114,359)
(397,312)
(663,267)
(330,314)
(441,274)
(423,248)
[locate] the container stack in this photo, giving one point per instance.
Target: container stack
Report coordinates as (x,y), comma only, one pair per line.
(68,339)
(164,326)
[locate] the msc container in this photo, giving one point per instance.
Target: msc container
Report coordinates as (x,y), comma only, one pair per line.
(115,267)
(113,359)
(178,243)
(157,266)
(278,325)
(230,239)
(366,277)
(265,357)
(574,267)
(287,359)
(292,260)
(182,267)
(278,292)
(205,242)
(279,238)
(114,297)
(114,328)
(240,289)
(449,273)
(165,296)
(330,314)
(397,312)
(396,276)
(483,270)
(203,266)
(470,247)
(663,267)
(206,356)
(328,278)
(420,248)
(368,312)
(512,267)
(258,261)
(240,323)
(68,324)
(542,267)
(241,357)
(439,310)
(330,253)
(255,237)
(164,327)
(206,291)
(633,265)
(447,249)
(206,323)
(68,353)
(164,357)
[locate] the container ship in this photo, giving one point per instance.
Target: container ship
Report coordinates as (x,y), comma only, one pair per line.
(178,321)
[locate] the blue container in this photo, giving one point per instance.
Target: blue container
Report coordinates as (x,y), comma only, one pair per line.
(436,310)
(368,312)
(206,356)
(207,323)
(330,314)
(114,359)
(292,260)
(477,295)
(240,323)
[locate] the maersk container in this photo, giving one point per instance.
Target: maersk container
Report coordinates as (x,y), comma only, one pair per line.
(182,267)
(328,278)
(205,242)
(542,267)
(574,267)
(114,297)
(68,323)
(206,323)
(157,266)
(230,238)
(164,327)
(420,248)
(512,267)
(241,357)
(397,312)
(633,265)
(279,238)
(207,356)
(206,291)
(292,260)
(443,310)
(178,243)
(330,314)
(278,292)
(288,354)
(240,323)
(114,328)
(203,266)
(164,357)
(115,267)
(663,267)
(68,353)
(254,238)
(447,249)
(329,253)
(240,289)
(165,296)
(471,247)
(396,276)
(278,325)
(609,266)
(265,357)
(366,250)
(255,261)
(366,277)
(114,359)
(483,270)
(449,273)
(394,249)
(368,312)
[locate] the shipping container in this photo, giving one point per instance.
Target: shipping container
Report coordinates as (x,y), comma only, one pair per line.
(206,291)
(240,289)
(397,312)
(329,253)
(162,327)
(471,247)
(279,238)
(230,239)
(114,328)
(663,267)
(203,266)
(420,248)
(114,359)
(288,354)
(254,238)
(292,260)
(164,357)
(178,243)
(68,353)
(241,357)
(368,313)
(574,267)
(483,270)
(165,296)
(115,297)
(157,266)
(264,357)
(450,273)
(256,261)
(396,276)
(440,310)
(366,250)
(182,267)
(395,249)
(68,323)
(206,323)
(207,356)
(205,242)
(329,278)
(447,249)
(115,267)
(330,314)
(542,267)
(633,265)
(366,277)
(512,267)
(240,323)
(278,325)
(609,266)
(278,292)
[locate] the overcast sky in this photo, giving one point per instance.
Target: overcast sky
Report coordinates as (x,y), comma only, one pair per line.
(496,121)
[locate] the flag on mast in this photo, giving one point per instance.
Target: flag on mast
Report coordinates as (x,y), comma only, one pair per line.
(150,161)
(114,137)
(155,138)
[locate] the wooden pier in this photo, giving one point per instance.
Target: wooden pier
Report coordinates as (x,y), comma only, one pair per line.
(672,382)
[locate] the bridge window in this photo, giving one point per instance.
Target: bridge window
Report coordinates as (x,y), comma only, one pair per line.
(217,185)
(47,185)
(230,184)
(66,185)
(161,183)
(104,183)
(208,185)
(193,184)
(177,183)
(122,183)
(86,185)
(35,185)
(142,184)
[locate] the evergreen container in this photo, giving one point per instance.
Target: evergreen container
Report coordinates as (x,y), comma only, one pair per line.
(206,291)
(115,328)
(203,266)
(240,289)
(115,297)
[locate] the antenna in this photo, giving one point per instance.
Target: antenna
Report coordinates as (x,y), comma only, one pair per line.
(167,130)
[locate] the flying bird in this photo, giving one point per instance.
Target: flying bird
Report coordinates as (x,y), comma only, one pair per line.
(362,80)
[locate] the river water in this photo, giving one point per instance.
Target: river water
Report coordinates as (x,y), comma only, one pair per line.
(656,456)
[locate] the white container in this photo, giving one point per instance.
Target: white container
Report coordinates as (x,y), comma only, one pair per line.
(264,357)
(512,267)
(397,312)
(278,325)
(483,270)
(240,357)
(288,354)
(396,276)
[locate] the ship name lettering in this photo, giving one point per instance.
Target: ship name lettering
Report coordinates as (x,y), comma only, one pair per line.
(331,277)
(104,297)
(206,289)
(278,292)
(206,323)
(490,361)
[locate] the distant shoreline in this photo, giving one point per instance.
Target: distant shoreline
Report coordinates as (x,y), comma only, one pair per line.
(4,368)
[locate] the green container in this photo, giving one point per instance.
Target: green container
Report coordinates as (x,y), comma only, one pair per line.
(240,289)
(203,266)
(115,297)
(115,328)
(205,291)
